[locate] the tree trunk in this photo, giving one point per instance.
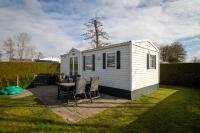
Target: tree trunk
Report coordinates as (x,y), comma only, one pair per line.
(97,34)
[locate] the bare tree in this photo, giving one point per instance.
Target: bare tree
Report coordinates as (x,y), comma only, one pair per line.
(33,52)
(8,47)
(95,33)
(173,53)
(40,55)
(30,52)
(27,52)
(23,40)
(196,60)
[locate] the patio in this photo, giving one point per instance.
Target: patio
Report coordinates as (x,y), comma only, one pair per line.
(69,112)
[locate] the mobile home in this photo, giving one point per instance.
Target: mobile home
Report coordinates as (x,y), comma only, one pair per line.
(128,69)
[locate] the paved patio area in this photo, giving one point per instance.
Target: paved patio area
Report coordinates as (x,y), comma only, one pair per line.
(70,112)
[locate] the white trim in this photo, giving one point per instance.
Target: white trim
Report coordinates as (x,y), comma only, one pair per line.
(150,67)
(115,45)
(107,47)
(76,51)
(139,41)
(122,44)
(131,67)
(147,40)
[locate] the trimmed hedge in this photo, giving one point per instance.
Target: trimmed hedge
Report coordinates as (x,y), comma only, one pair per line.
(25,71)
(184,74)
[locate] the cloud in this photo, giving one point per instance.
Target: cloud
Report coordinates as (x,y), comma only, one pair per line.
(162,21)
(56,26)
(192,45)
(46,34)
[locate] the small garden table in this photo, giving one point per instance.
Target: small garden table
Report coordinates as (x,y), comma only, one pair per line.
(64,85)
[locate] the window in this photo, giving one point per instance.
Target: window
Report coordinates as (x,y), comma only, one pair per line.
(88,62)
(152,61)
(111,57)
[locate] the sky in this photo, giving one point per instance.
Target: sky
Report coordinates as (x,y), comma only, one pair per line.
(56,26)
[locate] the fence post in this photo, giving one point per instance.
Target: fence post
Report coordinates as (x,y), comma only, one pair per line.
(17,80)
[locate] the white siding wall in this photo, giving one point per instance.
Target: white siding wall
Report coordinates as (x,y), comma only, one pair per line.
(111,77)
(141,76)
(64,66)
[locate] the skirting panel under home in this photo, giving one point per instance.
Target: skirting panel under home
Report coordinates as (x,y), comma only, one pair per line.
(126,93)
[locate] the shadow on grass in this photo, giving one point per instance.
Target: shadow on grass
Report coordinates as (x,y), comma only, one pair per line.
(179,112)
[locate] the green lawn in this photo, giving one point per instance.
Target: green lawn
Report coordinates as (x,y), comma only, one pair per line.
(169,109)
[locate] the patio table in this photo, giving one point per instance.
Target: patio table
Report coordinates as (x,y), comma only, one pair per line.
(65,85)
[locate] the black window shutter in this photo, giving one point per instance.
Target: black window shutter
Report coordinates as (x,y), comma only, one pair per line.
(147,61)
(83,63)
(155,61)
(93,62)
(104,60)
(118,59)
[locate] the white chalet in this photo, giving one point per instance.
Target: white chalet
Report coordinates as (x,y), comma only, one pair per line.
(128,69)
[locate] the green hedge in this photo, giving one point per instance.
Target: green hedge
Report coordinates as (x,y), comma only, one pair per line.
(25,71)
(185,74)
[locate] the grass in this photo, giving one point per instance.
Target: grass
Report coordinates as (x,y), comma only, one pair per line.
(169,109)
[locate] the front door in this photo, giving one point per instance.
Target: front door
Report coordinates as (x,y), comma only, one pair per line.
(73,65)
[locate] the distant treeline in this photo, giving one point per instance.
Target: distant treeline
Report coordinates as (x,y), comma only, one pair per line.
(19,47)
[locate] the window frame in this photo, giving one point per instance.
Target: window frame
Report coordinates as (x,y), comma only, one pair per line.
(115,61)
(152,61)
(86,63)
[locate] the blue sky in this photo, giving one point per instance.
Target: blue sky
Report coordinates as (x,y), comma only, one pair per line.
(56,25)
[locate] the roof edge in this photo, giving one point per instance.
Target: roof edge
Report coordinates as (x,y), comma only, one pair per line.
(146,40)
(114,45)
(109,46)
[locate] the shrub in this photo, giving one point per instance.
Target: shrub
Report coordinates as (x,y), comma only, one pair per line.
(25,71)
(185,74)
